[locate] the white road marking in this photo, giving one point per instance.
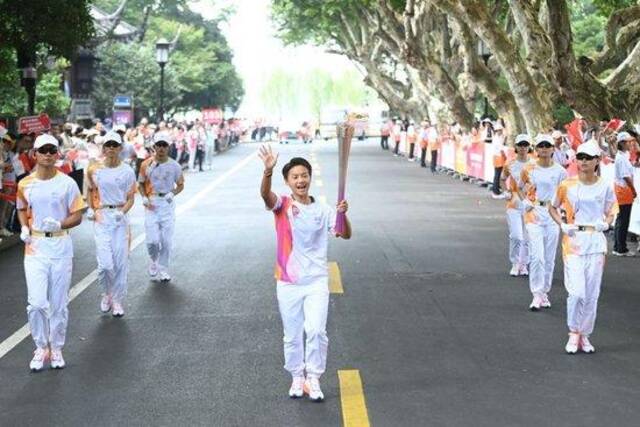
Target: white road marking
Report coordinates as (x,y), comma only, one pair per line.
(16,338)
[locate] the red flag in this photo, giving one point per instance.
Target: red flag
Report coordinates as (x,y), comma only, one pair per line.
(615,124)
(574,133)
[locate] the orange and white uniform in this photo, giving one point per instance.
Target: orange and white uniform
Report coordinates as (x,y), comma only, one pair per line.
(498,149)
(48,260)
(518,252)
(110,188)
(623,169)
(158,180)
(540,185)
(583,252)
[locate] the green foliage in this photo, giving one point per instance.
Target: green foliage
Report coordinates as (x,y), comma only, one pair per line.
(320,86)
(562,115)
(607,7)
(280,93)
(131,69)
(57,25)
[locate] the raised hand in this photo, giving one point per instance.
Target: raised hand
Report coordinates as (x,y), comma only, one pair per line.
(342,206)
(268,157)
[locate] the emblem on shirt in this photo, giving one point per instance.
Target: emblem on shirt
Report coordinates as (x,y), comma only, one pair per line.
(294,210)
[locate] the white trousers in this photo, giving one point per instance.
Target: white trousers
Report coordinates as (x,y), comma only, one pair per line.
(159,223)
(543,244)
(582,279)
(518,250)
(112,251)
(48,281)
(304,309)
(192,160)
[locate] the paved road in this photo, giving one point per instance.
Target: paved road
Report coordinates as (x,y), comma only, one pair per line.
(440,334)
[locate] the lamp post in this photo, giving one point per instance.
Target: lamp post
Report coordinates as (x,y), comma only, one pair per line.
(485,54)
(162,57)
(29,77)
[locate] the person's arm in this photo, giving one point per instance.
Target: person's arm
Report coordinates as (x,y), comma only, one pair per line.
(555,214)
(506,173)
(72,220)
(629,181)
(269,159)
(179,185)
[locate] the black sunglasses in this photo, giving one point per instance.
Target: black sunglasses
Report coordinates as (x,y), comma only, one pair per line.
(522,144)
(544,145)
(48,149)
(161,144)
(111,144)
(584,156)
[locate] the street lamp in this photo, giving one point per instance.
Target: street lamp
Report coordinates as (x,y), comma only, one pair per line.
(29,77)
(485,54)
(162,57)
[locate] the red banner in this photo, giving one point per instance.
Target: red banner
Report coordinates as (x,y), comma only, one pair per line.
(213,116)
(574,133)
(475,160)
(34,124)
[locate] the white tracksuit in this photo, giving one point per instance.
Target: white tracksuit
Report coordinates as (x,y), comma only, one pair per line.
(584,252)
(302,282)
(48,261)
(110,189)
(518,245)
(540,184)
(159,179)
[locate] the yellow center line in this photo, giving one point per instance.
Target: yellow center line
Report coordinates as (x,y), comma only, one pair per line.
(354,408)
(335,279)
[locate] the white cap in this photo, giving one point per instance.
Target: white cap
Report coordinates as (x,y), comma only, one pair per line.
(498,126)
(486,120)
(623,136)
(161,136)
(45,139)
(113,136)
(556,134)
(523,137)
(543,137)
(589,148)
(120,128)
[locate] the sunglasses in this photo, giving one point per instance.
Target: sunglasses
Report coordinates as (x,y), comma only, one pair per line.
(583,156)
(161,144)
(111,144)
(544,145)
(48,149)
(522,144)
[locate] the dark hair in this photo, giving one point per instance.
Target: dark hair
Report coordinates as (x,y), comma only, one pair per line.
(296,161)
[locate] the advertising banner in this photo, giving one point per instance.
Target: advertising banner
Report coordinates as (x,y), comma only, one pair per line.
(123,117)
(212,116)
(34,124)
(475,160)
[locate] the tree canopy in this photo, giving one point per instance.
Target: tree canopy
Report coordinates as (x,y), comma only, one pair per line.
(547,56)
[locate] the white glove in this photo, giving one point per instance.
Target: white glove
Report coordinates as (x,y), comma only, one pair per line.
(25,235)
(169,197)
(50,225)
(118,215)
(528,205)
(601,226)
(568,229)
(91,215)
(146,202)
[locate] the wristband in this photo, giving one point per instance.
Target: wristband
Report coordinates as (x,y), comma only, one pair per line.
(268,174)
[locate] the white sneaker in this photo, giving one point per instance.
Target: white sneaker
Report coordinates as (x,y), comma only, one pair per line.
(545,301)
(57,362)
(105,303)
(572,343)
(536,303)
(40,357)
(623,254)
(297,387)
(585,345)
(118,310)
(312,389)
(524,271)
(164,276)
(497,196)
(153,269)
(515,270)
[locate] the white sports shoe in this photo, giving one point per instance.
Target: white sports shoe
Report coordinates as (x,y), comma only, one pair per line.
(57,362)
(536,303)
(118,310)
(153,269)
(297,387)
(40,357)
(585,345)
(515,270)
(105,303)
(572,343)
(164,276)
(545,301)
(312,389)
